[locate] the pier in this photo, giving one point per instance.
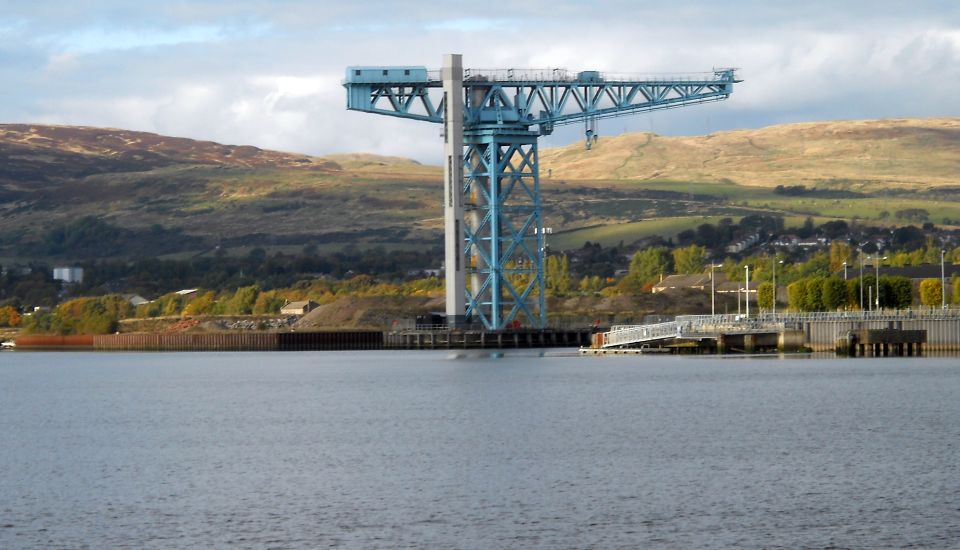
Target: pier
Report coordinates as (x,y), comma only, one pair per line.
(483,339)
(882,343)
(867,333)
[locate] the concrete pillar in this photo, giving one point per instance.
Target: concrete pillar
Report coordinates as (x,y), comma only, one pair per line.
(749,341)
(452,76)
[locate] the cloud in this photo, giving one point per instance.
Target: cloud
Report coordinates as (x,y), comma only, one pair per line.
(268,73)
(93,40)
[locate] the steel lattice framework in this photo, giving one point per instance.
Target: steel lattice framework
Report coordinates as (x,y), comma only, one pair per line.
(492,119)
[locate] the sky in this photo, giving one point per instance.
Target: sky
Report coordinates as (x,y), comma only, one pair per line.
(268,73)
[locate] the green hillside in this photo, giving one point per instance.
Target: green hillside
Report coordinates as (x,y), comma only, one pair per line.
(72,192)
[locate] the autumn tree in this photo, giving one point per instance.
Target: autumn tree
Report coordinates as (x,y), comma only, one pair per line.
(9,316)
(765,296)
(931,292)
(99,315)
(796,295)
(690,259)
(557,273)
(585,284)
(840,252)
(645,266)
(242,301)
(203,304)
(833,293)
(268,302)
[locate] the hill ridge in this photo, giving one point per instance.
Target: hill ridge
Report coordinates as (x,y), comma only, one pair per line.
(146,192)
(850,154)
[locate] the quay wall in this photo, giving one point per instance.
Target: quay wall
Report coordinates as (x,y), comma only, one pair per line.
(309,341)
(942,334)
(53,341)
(241,341)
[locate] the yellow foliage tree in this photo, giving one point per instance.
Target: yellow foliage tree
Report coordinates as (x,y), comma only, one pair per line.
(9,317)
(840,252)
(931,292)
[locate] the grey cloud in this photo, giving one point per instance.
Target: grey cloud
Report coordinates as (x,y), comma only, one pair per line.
(802,61)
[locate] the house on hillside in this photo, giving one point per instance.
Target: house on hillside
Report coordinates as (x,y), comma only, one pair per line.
(298,308)
(915,272)
(135,299)
(674,282)
(68,274)
(698,281)
(743,244)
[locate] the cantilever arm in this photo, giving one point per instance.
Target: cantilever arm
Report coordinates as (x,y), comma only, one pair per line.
(528,102)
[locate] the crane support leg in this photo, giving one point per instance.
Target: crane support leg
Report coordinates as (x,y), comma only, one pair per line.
(504,236)
(454,265)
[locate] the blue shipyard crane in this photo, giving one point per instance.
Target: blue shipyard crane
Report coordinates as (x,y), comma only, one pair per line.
(491,122)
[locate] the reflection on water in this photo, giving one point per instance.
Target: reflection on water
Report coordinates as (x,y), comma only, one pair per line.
(476,449)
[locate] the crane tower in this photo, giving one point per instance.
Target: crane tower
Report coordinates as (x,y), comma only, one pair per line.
(494,241)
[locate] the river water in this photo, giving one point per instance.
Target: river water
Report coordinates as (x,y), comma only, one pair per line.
(476,450)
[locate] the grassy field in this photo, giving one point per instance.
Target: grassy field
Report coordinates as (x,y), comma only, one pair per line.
(727,190)
(869,208)
(609,235)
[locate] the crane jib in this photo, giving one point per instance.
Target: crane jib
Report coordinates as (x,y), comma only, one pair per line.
(546,98)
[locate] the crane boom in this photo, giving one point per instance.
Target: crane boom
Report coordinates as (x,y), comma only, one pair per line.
(494,235)
(544,98)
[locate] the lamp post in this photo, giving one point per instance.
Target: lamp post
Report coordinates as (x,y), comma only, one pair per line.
(878,281)
(774,262)
(860,250)
(713,295)
(943,282)
(746,297)
(844,270)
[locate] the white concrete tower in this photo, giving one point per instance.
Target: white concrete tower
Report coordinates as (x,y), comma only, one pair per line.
(452,76)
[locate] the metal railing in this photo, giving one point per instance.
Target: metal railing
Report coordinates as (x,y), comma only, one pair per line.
(701,326)
(878,315)
(565,75)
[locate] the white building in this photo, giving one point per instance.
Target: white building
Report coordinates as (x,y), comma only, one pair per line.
(298,308)
(68,274)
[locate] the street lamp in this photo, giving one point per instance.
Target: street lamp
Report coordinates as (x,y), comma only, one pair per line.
(774,262)
(878,281)
(746,297)
(860,250)
(713,302)
(844,270)
(943,282)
